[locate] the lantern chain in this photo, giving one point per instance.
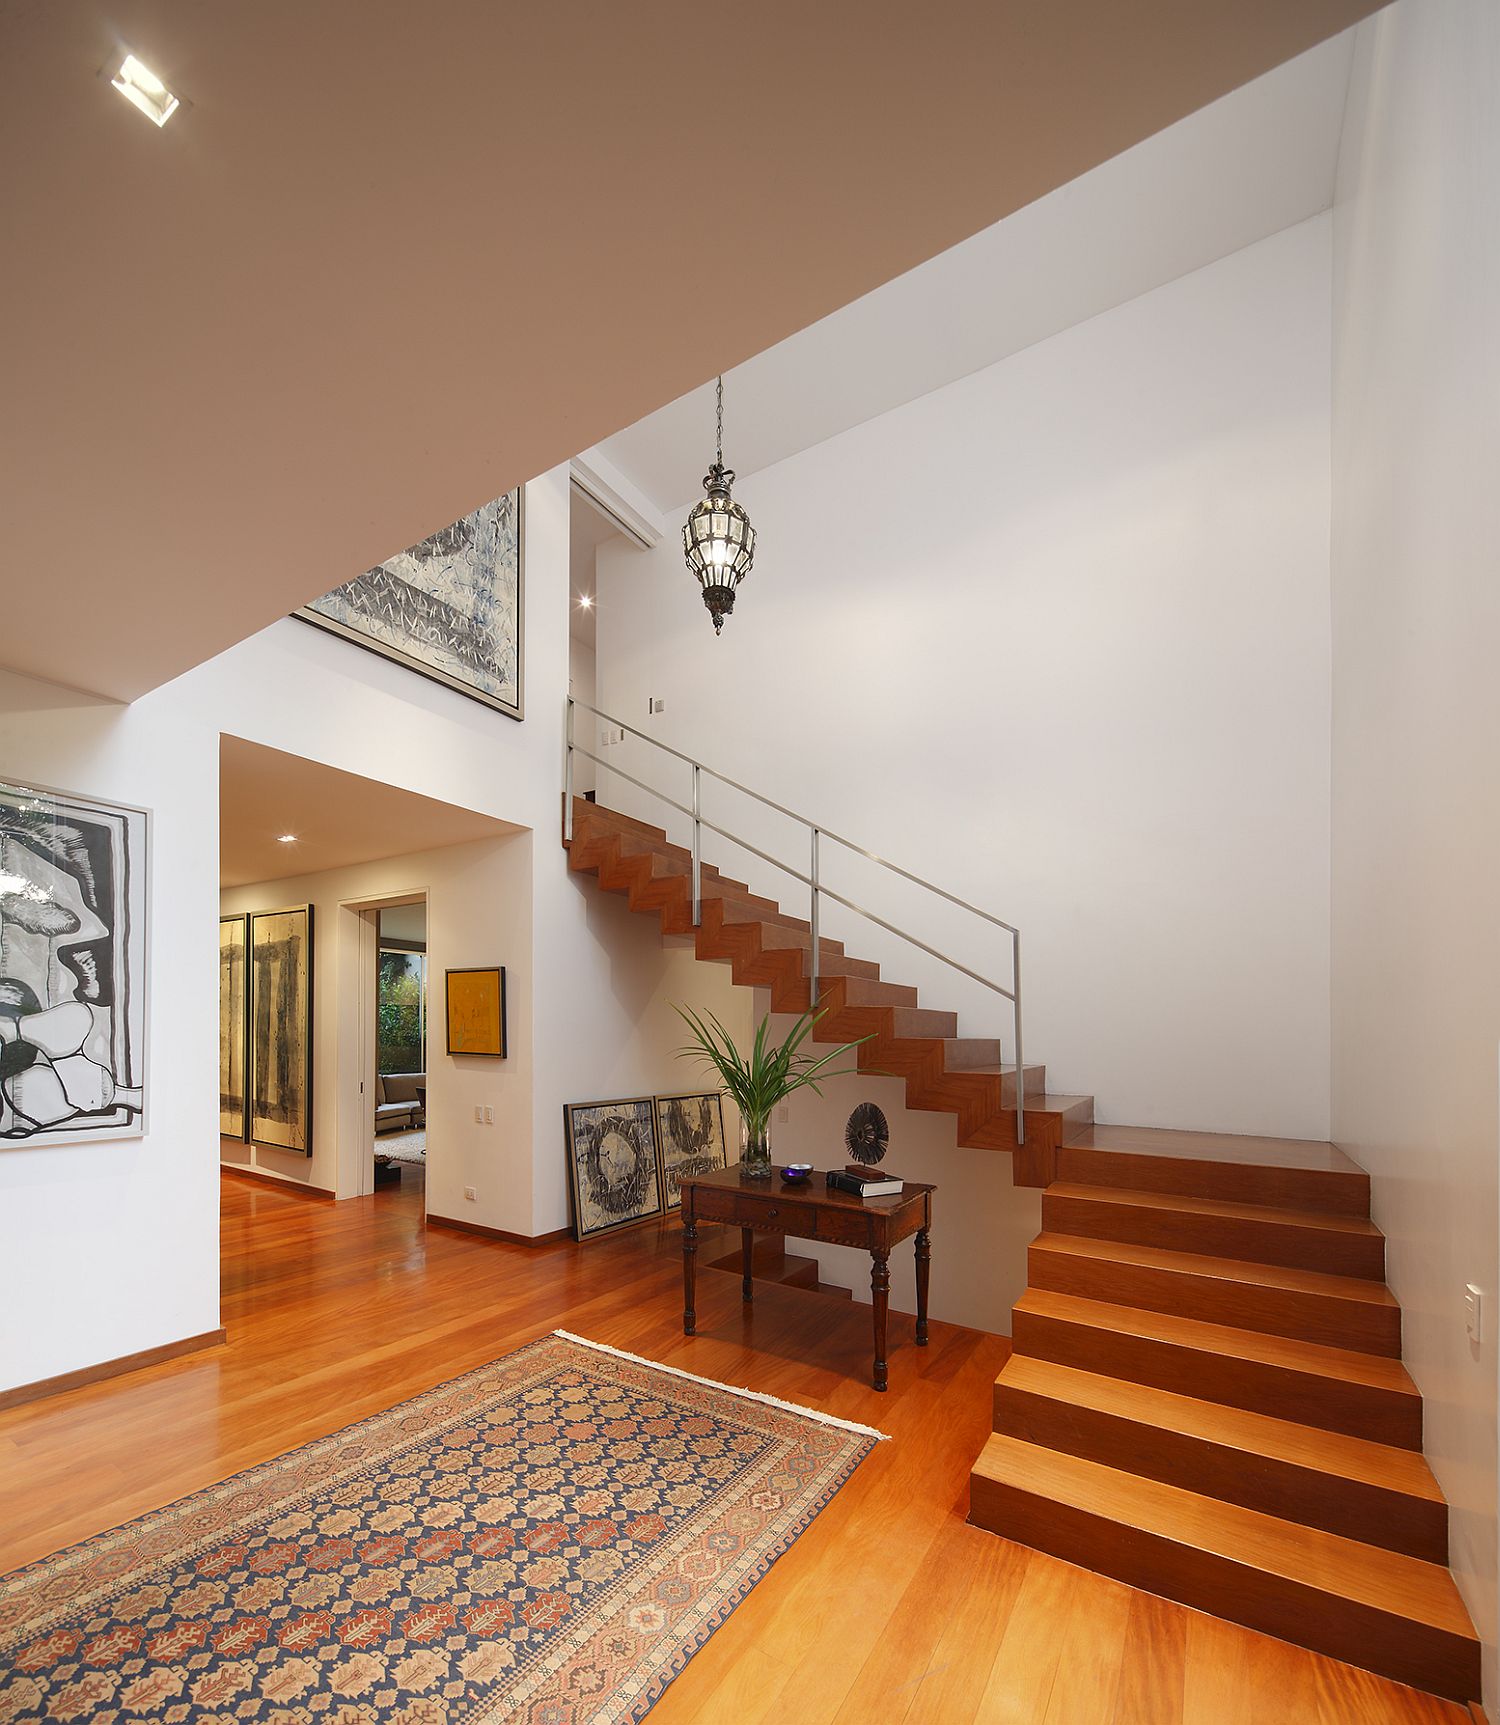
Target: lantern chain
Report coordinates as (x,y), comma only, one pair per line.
(719,440)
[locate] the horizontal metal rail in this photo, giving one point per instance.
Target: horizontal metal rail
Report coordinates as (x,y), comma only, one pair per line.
(818,891)
(791,815)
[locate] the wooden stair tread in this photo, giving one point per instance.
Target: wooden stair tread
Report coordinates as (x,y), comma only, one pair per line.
(1256,1434)
(1316,1220)
(1375,1371)
(1057,1102)
(1384,1581)
(1241,1270)
(1229,1147)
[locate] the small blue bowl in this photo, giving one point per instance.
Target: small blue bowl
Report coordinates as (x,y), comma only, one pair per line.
(797,1173)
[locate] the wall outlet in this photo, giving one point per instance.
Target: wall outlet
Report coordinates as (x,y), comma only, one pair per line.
(1474,1314)
(478,1115)
(489,1116)
(472,1194)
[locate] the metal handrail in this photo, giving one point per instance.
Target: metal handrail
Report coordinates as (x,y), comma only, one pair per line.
(811,880)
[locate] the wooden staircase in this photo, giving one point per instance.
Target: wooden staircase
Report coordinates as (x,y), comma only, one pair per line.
(1205,1397)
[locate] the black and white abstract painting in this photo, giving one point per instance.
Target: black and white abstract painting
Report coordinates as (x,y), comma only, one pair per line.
(73,897)
(234,1120)
(690,1138)
(450,608)
(612,1164)
(281,970)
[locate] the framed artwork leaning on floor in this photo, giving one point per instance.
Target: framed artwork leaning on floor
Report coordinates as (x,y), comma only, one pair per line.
(613,1175)
(689,1140)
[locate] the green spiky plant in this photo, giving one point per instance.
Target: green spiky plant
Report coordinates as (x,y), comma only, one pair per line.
(768,1073)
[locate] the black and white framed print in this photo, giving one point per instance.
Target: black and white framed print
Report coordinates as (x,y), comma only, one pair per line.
(451,608)
(234,1026)
(612,1170)
(74,891)
(281,1069)
(690,1140)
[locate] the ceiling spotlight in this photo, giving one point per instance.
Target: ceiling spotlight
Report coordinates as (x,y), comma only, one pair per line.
(286,838)
(137,83)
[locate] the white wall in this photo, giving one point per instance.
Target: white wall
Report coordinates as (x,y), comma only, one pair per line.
(105,1252)
(1056,636)
(111,1249)
(1416,709)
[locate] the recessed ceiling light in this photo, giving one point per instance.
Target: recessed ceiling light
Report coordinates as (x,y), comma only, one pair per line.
(586,602)
(287,839)
(137,83)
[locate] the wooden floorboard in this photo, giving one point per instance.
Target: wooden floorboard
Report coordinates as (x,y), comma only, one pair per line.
(888,1611)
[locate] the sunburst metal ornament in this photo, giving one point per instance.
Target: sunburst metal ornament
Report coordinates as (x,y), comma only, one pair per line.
(867,1136)
(717,538)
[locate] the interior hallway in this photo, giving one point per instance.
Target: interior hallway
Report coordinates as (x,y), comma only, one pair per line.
(889,1609)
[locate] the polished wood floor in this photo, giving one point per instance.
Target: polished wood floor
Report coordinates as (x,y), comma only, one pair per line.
(889,1611)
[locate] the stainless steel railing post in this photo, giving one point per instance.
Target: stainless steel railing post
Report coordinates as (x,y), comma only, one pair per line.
(568,781)
(1015,990)
(697,853)
(813,921)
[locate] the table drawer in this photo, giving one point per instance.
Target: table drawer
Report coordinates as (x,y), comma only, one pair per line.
(771,1213)
(845,1227)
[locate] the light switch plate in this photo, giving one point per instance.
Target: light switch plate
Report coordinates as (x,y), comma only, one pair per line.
(489,1116)
(478,1115)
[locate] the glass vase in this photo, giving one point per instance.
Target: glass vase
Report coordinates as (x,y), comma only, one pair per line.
(755,1148)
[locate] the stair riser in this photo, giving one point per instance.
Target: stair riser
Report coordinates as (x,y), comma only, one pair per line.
(1335,1194)
(1335,1404)
(1321,1318)
(1308,1495)
(1380,1641)
(1290,1245)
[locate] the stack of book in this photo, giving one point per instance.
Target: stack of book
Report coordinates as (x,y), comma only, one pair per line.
(864,1182)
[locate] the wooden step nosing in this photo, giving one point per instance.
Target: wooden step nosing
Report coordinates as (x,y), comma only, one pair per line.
(1240,1272)
(1442,1658)
(1188,1205)
(1326,1562)
(1354,1499)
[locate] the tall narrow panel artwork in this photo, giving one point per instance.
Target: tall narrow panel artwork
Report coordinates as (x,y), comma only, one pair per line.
(73,896)
(234,1027)
(451,608)
(612,1164)
(281,1028)
(690,1136)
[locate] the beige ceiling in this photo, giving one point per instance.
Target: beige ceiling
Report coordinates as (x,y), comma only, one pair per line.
(346,295)
(339,818)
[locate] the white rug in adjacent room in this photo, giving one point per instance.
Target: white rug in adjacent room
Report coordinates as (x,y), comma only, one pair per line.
(403,1147)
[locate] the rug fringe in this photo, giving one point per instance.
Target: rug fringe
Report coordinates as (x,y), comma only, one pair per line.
(731,1389)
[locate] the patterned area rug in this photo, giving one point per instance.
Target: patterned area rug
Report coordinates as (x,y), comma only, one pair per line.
(403,1147)
(548,1539)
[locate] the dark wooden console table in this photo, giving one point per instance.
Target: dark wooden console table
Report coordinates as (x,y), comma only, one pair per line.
(811,1212)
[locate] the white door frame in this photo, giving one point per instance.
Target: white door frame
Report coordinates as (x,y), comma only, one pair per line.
(358,946)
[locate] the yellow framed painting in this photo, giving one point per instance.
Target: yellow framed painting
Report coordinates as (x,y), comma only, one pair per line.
(476,1011)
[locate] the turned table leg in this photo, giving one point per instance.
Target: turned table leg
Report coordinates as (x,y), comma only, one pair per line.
(924,1264)
(689,1266)
(880,1290)
(747,1255)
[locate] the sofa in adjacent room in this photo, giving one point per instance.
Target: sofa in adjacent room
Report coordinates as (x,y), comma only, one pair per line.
(398,1108)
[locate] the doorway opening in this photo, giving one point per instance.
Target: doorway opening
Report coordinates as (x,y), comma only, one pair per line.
(399,1124)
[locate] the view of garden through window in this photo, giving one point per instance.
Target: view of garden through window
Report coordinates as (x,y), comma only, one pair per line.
(401,1012)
